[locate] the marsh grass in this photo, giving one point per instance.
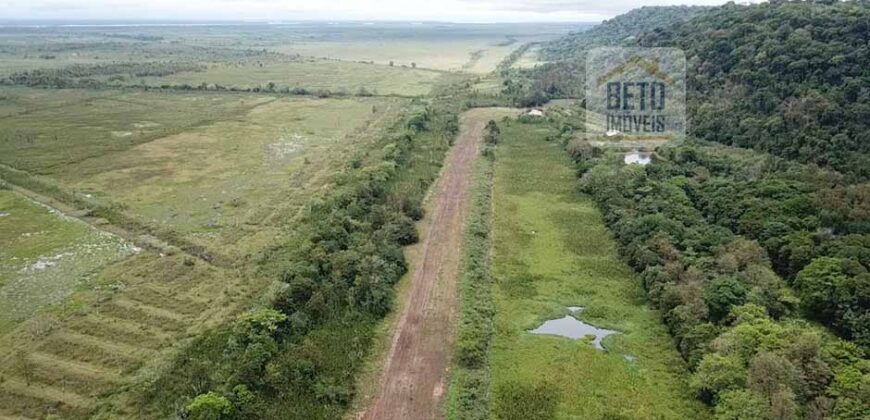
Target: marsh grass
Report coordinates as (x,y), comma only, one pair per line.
(551,250)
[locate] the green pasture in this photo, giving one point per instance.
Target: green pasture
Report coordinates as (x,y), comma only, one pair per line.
(551,250)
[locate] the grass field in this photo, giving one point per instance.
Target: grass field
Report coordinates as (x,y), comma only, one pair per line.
(51,130)
(529,59)
(45,257)
(226,171)
(215,182)
(475,56)
(214,168)
(551,251)
(335,76)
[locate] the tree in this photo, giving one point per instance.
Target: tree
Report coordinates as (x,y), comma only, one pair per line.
(210,406)
(491,133)
(741,404)
(723,293)
(719,373)
(837,291)
(770,373)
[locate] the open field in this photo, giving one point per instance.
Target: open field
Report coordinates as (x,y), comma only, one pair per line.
(551,251)
(314,75)
(43,137)
(136,312)
(226,171)
(45,257)
(477,56)
(221,180)
(219,174)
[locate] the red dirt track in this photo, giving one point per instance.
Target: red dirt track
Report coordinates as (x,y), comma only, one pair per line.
(414,378)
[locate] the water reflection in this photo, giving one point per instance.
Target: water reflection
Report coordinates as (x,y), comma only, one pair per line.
(638,158)
(574,329)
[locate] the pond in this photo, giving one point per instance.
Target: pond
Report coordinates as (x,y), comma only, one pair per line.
(637,158)
(574,329)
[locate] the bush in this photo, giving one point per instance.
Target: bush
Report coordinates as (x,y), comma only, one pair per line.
(491,133)
(210,406)
(520,401)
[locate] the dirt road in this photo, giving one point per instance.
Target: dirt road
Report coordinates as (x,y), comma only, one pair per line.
(414,378)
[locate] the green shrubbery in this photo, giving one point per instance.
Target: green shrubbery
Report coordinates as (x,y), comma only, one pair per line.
(299,357)
(469,385)
(735,320)
(521,401)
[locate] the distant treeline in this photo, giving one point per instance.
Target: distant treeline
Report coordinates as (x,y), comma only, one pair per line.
(788,78)
(95,75)
(269,87)
(103,76)
(135,37)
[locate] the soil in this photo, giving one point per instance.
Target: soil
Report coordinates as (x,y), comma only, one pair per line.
(414,379)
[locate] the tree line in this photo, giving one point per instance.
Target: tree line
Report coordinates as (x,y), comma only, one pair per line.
(298,356)
(742,327)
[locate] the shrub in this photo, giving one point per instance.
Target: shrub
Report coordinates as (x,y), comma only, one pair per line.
(519,401)
(210,406)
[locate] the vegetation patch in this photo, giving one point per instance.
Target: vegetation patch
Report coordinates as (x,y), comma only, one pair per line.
(45,257)
(551,240)
(470,376)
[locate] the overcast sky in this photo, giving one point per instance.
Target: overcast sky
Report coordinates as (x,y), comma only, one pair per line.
(443,10)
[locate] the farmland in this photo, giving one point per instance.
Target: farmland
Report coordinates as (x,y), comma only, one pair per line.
(225,179)
(159,183)
(317,75)
(390,219)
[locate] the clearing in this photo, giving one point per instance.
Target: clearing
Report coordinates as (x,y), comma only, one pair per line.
(87,315)
(314,75)
(553,259)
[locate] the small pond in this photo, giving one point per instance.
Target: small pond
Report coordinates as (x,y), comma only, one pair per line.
(638,158)
(574,329)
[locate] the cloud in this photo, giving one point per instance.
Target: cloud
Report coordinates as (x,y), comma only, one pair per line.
(608,7)
(458,10)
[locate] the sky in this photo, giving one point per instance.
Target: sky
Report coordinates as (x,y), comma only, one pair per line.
(376,10)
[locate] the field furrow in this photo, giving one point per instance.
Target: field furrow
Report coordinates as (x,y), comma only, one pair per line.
(120,330)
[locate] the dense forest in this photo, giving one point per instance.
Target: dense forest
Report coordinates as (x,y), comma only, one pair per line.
(621,30)
(792,79)
(788,78)
(758,262)
(713,273)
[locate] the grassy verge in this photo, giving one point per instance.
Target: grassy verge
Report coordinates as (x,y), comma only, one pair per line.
(551,250)
(469,382)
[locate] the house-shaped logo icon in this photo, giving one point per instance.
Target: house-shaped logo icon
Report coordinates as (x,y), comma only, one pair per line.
(635,91)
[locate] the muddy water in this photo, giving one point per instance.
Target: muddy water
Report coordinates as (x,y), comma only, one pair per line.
(574,329)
